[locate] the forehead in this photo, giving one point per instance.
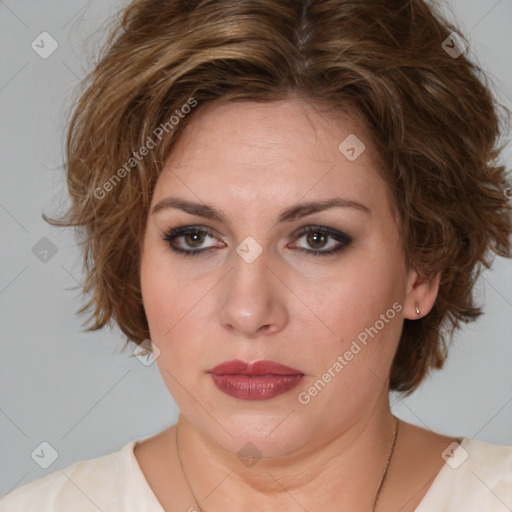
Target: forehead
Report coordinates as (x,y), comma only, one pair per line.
(256,151)
(268,128)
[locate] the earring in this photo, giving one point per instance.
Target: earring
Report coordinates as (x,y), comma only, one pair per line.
(417,309)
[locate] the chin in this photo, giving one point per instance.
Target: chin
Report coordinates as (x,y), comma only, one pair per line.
(257,435)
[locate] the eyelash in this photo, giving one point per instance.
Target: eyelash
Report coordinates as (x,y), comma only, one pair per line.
(341,237)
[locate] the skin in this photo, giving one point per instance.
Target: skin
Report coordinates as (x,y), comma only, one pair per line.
(252,161)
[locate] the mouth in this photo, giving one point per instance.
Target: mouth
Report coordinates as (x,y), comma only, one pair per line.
(260,380)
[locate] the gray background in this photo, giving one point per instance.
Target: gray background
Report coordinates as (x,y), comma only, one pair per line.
(78,391)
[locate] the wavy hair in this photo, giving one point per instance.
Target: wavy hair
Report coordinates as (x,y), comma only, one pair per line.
(429,112)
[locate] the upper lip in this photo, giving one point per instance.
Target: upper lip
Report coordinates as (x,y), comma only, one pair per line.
(263,367)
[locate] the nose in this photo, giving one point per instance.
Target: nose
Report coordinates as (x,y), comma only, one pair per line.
(252,298)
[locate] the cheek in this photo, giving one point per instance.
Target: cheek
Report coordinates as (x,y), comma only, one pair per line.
(364,312)
(175,308)
(168,306)
(164,297)
(363,303)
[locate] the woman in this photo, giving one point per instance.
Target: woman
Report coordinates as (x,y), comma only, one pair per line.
(287,203)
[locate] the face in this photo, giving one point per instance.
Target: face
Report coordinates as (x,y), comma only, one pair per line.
(266,241)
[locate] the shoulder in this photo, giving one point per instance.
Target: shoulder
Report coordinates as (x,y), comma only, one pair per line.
(93,484)
(490,465)
(477,476)
(489,456)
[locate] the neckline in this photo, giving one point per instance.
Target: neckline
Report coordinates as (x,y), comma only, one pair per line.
(430,495)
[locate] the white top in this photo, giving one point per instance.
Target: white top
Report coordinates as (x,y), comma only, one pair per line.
(482,482)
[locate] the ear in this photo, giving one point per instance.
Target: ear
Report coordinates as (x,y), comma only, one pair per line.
(421,293)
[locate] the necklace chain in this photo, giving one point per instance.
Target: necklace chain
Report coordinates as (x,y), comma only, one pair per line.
(381,483)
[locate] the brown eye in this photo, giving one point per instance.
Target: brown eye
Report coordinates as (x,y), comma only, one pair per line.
(194,238)
(189,240)
(320,237)
(316,240)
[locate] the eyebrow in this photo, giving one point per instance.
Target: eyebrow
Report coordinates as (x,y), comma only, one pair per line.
(295,212)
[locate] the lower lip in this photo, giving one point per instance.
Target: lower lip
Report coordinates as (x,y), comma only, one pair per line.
(259,387)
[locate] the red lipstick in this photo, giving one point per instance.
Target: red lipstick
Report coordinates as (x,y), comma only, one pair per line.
(259,380)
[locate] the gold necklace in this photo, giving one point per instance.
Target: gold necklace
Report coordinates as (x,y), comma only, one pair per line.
(395,435)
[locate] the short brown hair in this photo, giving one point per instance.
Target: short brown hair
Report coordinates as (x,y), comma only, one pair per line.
(429,113)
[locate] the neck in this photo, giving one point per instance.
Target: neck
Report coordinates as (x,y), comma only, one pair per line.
(346,468)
